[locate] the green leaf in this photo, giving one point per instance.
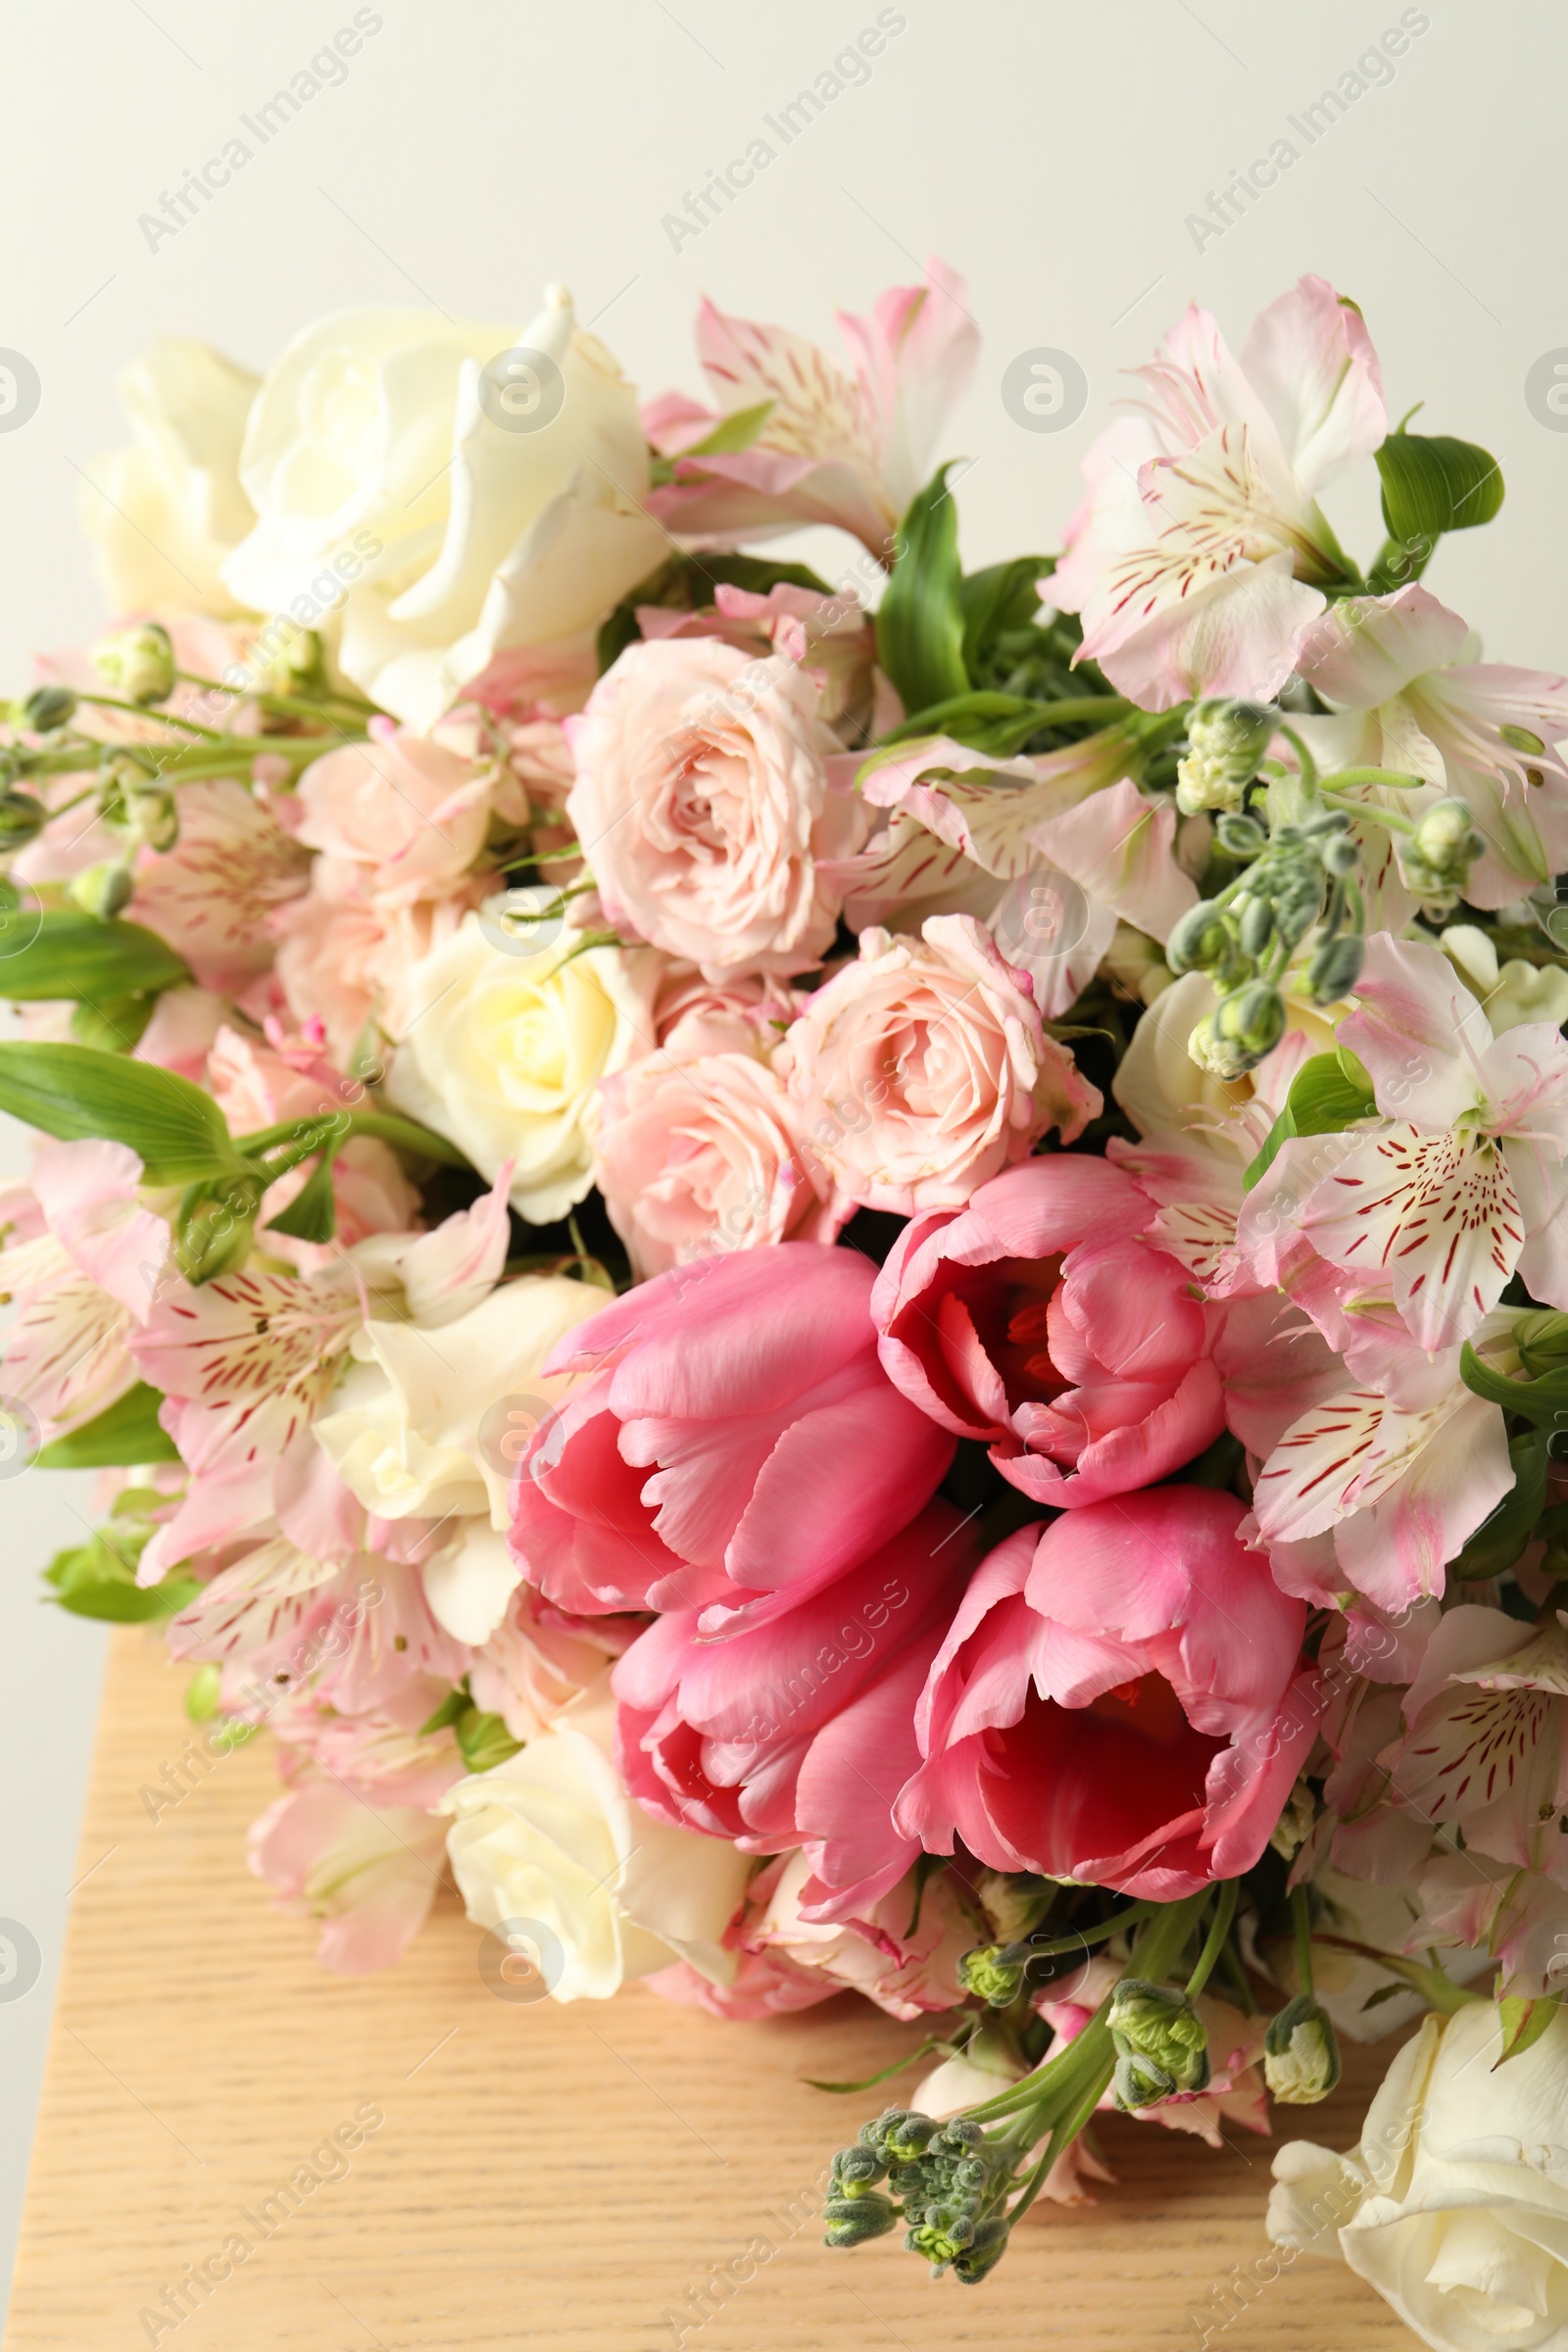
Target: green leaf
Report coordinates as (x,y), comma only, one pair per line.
(919,624)
(126,1431)
(483,1740)
(1432,483)
(74,954)
(456,1703)
(98,1579)
(77,1092)
(116,1025)
(1542,1402)
(997,599)
(311,1215)
(886,2072)
(1324,1100)
(1503,1533)
(1523,2022)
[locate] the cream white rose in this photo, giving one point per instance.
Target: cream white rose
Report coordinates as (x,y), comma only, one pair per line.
(405,1431)
(1454,2205)
(552,1838)
(504,1044)
(453,516)
(164,513)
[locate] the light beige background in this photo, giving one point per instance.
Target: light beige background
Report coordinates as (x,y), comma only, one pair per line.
(479,148)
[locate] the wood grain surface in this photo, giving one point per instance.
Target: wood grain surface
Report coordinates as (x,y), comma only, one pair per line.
(624,2175)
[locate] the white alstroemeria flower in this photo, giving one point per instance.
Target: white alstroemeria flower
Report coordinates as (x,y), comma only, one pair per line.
(1402,674)
(1197,557)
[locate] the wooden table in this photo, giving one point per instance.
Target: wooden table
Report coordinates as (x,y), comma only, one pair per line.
(564,2179)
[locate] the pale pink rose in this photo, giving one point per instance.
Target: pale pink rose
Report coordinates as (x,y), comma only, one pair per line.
(705,1155)
(344,960)
(694,1016)
(260,1086)
(831,636)
(408,811)
(922,1070)
(539,1657)
(706,808)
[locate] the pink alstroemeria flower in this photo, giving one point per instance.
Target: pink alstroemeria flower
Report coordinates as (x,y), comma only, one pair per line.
(1197,557)
(82,1260)
(1405,671)
(834,447)
(1465,1180)
(1485,1742)
(1119,1700)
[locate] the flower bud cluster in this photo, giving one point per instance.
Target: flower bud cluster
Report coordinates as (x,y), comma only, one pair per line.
(942,2179)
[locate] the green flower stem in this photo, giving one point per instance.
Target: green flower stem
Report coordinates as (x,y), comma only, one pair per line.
(1100,1934)
(1090,2059)
(1084,708)
(1307,764)
(1090,2056)
(1440,1991)
(164,718)
(1303,1920)
(405,1135)
(285,706)
(1220,1929)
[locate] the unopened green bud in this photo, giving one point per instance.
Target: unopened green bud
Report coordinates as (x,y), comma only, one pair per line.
(215,1227)
(1256,926)
(1339,855)
(1138,2081)
(22,819)
(138,662)
(1156,2023)
(1225,741)
(1542,1339)
(1336,967)
(1201,937)
(1255,1017)
(1241,835)
(858,2169)
(1301,2053)
(851,2220)
(906,2135)
(103,890)
(994,1971)
(47,708)
(1447,840)
(201,1694)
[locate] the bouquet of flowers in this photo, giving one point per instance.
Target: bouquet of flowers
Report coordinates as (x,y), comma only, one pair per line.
(839,1282)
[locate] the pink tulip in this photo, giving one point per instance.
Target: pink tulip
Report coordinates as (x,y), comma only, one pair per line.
(715,1734)
(1043,1320)
(737,1447)
(1117,1701)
